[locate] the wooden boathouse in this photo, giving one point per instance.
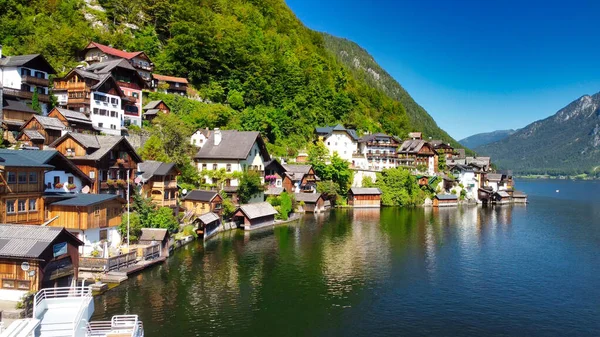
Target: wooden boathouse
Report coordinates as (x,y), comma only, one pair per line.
(251,216)
(364,197)
(445,200)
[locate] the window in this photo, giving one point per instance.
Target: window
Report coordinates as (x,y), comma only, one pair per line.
(99,98)
(22,177)
(228,167)
(103,234)
(113,114)
(114,101)
(93,174)
(25,72)
(32,205)
(215,167)
(23,285)
(218,206)
(112,126)
(10,284)
(100,125)
(39,74)
(103,112)
(10,206)
(70,179)
(12,178)
(204,166)
(95,111)
(70,152)
(134,94)
(96,210)
(22,205)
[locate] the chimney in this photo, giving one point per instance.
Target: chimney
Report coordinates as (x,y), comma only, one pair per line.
(217,136)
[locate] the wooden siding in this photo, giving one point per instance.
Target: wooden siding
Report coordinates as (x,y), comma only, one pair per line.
(364,200)
(200,207)
(107,214)
(22,192)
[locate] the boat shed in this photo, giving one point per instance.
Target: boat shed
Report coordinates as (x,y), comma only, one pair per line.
(312,202)
(364,197)
(151,236)
(208,224)
(519,197)
(251,216)
(501,197)
(445,200)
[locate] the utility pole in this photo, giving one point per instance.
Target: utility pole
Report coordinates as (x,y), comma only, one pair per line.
(128,214)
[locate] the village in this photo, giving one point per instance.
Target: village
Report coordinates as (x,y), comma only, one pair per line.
(72,180)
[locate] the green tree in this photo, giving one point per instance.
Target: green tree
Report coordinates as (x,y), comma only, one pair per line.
(228,206)
(35,103)
(367,182)
(135,227)
(399,188)
(442,162)
(250,185)
(236,99)
(164,218)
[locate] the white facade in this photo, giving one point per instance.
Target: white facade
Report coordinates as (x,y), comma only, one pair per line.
(106,113)
(380,157)
(62,177)
(91,239)
(254,161)
(198,139)
(10,77)
(342,143)
(470,184)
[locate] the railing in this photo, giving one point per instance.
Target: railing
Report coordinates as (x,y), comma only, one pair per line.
(151,252)
(114,263)
(25,94)
(127,325)
(53,293)
(382,144)
(76,86)
(35,80)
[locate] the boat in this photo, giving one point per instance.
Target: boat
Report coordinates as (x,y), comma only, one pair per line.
(66,312)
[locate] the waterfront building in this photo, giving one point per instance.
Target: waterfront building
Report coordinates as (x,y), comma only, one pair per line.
(380,151)
(311,202)
(493,180)
(299,179)
(170,84)
(445,200)
(95,52)
(152,108)
(519,197)
(208,224)
(150,236)
(364,197)
(200,202)
(501,197)
(418,153)
(466,176)
(252,216)
(339,140)
(159,182)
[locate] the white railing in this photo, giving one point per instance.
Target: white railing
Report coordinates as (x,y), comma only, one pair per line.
(49,293)
(40,304)
(120,324)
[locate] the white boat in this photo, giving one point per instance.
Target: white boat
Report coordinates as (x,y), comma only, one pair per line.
(66,312)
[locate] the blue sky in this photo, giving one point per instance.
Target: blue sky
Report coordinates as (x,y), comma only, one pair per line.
(475,66)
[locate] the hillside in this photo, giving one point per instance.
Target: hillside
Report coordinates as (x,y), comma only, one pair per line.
(263,69)
(485,138)
(565,143)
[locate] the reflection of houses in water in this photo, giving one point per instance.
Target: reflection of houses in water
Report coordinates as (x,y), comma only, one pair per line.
(366,214)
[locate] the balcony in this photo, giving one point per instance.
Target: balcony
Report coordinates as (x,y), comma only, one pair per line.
(94,58)
(35,80)
(382,155)
(71,86)
(382,144)
(181,87)
(25,94)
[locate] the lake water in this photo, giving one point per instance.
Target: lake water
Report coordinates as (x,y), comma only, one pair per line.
(504,271)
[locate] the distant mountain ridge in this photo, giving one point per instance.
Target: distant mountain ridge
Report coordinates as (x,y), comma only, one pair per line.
(566,143)
(485,138)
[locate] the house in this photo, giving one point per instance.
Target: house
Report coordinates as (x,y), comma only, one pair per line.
(300,179)
(201,202)
(493,180)
(501,197)
(422,180)
(442,148)
(131,84)
(208,224)
(274,176)
(73,120)
(232,151)
(339,139)
(252,216)
(98,96)
(23,75)
(380,150)
(459,154)
(170,84)
(13,115)
(159,182)
(415,135)
(506,182)
(199,137)
(310,202)
(62,176)
(151,236)
(40,131)
(483,163)
(36,257)
(466,177)
(110,161)
(519,197)
(21,189)
(445,200)
(418,153)
(152,108)
(95,52)
(93,218)
(364,197)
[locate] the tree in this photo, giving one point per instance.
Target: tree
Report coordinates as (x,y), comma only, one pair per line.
(135,227)
(164,218)
(367,182)
(340,173)
(442,162)
(399,188)
(318,156)
(236,99)
(35,103)
(250,185)
(228,206)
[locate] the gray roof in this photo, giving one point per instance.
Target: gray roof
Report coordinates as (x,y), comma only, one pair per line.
(234,145)
(494,177)
(253,211)
(151,112)
(305,169)
(150,234)
(74,116)
(503,194)
(307,197)
(446,197)
(152,105)
(200,195)
(27,60)
(327,130)
(151,168)
(13,158)
(26,241)
(274,191)
(519,194)
(108,66)
(412,145)
(51,123)
(207,218)
(14,105)
(85,200)
(33,134)
(480,161)
(101,144)
(365,191)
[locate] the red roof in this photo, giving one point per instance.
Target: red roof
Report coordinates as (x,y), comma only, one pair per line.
(170,78)
(113,51)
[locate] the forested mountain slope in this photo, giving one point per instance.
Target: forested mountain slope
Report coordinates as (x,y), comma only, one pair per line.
(485,138)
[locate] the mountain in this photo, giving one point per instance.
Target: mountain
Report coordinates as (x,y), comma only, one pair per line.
(364,66)
(485,138)
(565,143)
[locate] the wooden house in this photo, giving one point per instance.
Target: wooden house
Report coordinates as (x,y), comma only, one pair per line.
(519,197)
(110,161)
(159,182)
(201,202)
(170,84)
(422,180)
(152,108)
(156,235)
(445,200)
(94,218)
(40,131)
(73,120)
(418,153)
(501,197)
(95,52)
(300,179)
(310,202)
(208,224)
(364,197)
(442,148)
(21,189)
(14,114)
(35,257)
(252,216)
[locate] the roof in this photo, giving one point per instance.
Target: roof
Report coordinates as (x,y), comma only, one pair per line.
(170,78)
(26,241)
(446,197)
(46,122)
(274,191)
(152,168)
(33,61)
(153,104)
(74,116)
(415,135)
(519,194)
(412,145)
(151,234)
(150,112)
(85,200)
(327,130)
(33,134)
(253,211)
(503,194)
(13,105)
(234,145)
(377,136)
(200,195)
(13,158)
(305,169)
(307,197)
(209,217)
(101,144)
(113,51)
(107,66)
(48,157)
(365,191)
(494,176)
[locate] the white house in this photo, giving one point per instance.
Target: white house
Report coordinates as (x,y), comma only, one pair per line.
(467,178)
(379,150)
(339,139)
(107,115)
(199,137)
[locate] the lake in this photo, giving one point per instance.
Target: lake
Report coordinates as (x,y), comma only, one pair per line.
(498,271)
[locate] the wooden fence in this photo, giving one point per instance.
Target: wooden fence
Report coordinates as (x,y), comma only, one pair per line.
(114,263)
(151,252)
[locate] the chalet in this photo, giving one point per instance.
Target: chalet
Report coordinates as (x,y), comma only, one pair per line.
(519,197)
(151,236)
(35,257)
(380,151)
(170,84)
(501,197)
(24,76)
(201,202)
(152,108)
(274,175)
(131,84)
(300,178)
(252,216)
(93,218)
(110,161)
(98,96)
(364,197)
(21,189)
(199,137)
(442,148)
(445,200)
(466,177)
(73,120)
(493,180)
(40,131)
(422,180)
(418,153)
(12,117)
(232,151)
(339,140)
(96,52)
(159,182)
(208,224)
(415,135)
(62,177)
(310,202)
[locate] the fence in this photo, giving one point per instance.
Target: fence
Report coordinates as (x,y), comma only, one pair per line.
(151,252)
(114,263)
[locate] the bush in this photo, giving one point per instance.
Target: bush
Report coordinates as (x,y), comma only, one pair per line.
(190,230)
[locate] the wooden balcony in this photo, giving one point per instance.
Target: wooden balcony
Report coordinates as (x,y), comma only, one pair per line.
(35,80)
(382,155)
(383,144)
(25,94)
(71,86)
(165,184)
(181,87)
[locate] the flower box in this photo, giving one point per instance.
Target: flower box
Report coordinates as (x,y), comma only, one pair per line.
(58,185)
(120,161)
(110,182)
(121,182)
(71,187)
